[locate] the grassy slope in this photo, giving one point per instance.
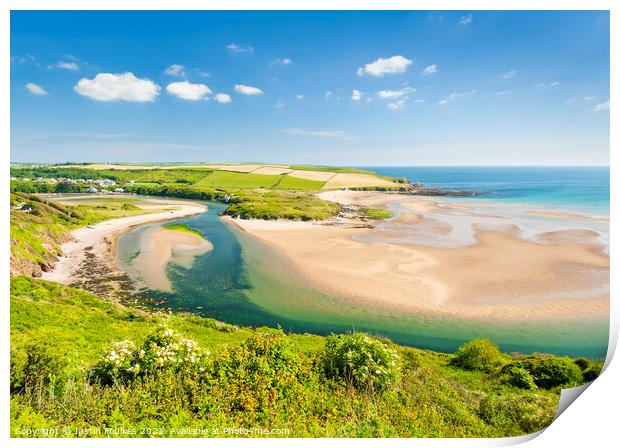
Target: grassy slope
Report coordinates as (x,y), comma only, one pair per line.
(296,183)
(282,205)
(288,197)
(330,169)
(431,399)
(233,179)
(36,236)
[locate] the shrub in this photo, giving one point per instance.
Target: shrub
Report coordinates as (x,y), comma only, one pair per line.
(582,363)
(592,372)
(164,350)
(479,354)
(552,371)
(363,362)
(39,368)
(262,372)
(518,414)
(518,377)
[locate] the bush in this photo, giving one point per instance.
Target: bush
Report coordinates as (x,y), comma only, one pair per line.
(592,372)
(479,354)
(364,363)
(523,413)
(552,371)
(39,369)
(518,377)
(162,351)
(582,363)
(258,375)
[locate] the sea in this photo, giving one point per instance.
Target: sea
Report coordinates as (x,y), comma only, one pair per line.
(583,189)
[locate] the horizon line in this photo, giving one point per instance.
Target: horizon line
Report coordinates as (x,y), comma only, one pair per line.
(318,164)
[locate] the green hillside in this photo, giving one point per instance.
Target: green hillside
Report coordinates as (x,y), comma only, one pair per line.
(39,227)
(70,368)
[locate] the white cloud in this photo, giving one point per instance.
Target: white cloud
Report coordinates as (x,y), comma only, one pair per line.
(328,94)
(223,98)
(67,65)
(430,70)
(339,135)
(282,61)
(509,74)
(238,49)
(299,96)
(389,66)
(36,89)
(543,85)
(118,86)
(398,104)
(247,90)
(356,95)
(455,96)
(280,104)
(392,94)
(504,92)
(175,70)
(588,98)
(187,91)
(600,107)
(466,20)
(27,58)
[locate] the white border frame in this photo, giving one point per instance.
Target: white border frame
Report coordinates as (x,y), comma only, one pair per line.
(590,421)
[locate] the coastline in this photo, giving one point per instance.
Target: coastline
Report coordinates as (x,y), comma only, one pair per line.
(500,276)
(95,245)
(158,247)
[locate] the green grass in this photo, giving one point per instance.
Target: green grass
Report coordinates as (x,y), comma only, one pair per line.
(334,169)
(375,213)
(281,205)
(231,179)
(184,228)
(295,183)
(254,378)
(158,176)
(36,236)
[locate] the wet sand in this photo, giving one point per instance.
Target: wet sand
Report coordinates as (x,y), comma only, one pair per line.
(499,275)
(99,240)
(160,246)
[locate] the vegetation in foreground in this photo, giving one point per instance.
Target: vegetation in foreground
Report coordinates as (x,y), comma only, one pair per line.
(85,363)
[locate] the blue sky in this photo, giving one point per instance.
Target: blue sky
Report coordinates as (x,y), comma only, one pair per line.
(340,88)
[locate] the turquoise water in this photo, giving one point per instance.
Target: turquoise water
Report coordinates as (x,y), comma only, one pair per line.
(245,282)
(580,189)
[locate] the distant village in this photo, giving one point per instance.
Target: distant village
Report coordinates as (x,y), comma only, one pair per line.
(95,185)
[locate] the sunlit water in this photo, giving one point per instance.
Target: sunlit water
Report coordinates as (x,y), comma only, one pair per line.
(245,282)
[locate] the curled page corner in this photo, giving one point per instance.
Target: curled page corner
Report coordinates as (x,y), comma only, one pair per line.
(568,396)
